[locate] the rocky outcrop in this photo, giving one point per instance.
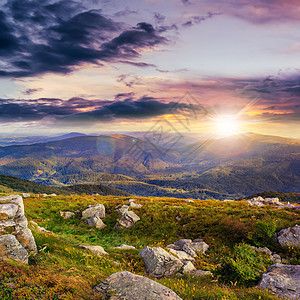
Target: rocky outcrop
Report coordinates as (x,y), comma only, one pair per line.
(127,286)
(13,222)
(289,237)
(128,219)
(93,215)
(282,280)
(159,262)
(11,248)
(97,250)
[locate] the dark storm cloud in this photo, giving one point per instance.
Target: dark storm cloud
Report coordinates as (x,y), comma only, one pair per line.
(37,37)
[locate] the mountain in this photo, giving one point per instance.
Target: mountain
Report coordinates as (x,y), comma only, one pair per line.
(209,168)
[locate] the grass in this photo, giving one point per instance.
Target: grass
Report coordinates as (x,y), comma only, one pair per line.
(61,270)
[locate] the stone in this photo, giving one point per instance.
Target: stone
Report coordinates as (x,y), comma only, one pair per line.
(181,255)
(97,250)
(11,248)
(26,195)
(263,249)
(125,247)
(135,205)
(188,268)
(53,195)
(95,222)
(192,247)
(159,262)
(189,250)
(202,273)
(13,221)
(39,228)
(282,280)
(189,200)
(172,246)
(271,200)
(275,258)
(289,237)
(131,200)
(128,286)
(96,210)
(66,214)
(182,242)
(128,219)
(122,210)
(44,195)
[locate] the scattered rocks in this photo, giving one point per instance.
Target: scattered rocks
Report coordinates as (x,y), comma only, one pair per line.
(97,250)
(11,248)
(66,214)
(122,210)
(260,201)
(127,286)
(125,247)
(128,219)
(282,280)
(159,262)
(14,222)
(289,237)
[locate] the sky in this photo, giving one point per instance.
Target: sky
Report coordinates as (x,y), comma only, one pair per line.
(114,66)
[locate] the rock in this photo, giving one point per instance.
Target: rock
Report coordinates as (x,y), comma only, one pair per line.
(181,255)
(13,221)
(192,247)
(11,248)
(96,210)
(41,228)
(53,195)
(275,258)
(282,280)
(131,200)
(122,210)
(125,247)
(97,250)
(159,262)
(289,237)
(95,222)
(44,195)
(26,195)
(127,286)
(263,249)
(66,214)
(189,250)
(188,268)
(135,205)
(189,200)
(202,273)
(172,246)
(182,242)
(128,219)
(271,200)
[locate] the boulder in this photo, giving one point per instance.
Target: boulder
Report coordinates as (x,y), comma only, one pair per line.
(289,237)
(188,268)
(96,210)
(122,210)
(202,273)
(135,205)
(97,250)
(282,280)
(159,262)
(128,219)
(127,286)
(125,247)
(182,255)
(26,195)
(95,222)
(11,248)
(192,247)
(66,214)
(275,258)
(13,221)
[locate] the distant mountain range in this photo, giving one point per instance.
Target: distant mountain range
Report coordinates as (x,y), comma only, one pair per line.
(208,168)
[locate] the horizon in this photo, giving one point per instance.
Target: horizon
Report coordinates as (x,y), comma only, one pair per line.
(202,66)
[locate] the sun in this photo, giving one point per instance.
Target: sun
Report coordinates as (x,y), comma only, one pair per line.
(226,125)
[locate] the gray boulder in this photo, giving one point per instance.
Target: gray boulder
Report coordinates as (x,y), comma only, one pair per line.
(159,262)
(127,286)
(135,205)
(26,195)
(97,250)
(188,268)
(125,247)
(122,210)
(66,214)
(289,237)
(192,247)
(96,210)
(182,255)
(95,222)
(11,248)
(202,273)
(282,280)
(128,219)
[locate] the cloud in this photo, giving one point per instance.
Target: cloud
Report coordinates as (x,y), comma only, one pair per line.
(198,19)
(32,91)
(38,37)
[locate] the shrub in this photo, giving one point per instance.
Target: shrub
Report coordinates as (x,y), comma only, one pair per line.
(243,267)
(264,231)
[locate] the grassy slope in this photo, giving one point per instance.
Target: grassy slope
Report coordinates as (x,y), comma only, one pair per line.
(63,271)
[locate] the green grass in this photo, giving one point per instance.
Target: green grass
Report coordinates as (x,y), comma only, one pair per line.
(61,270)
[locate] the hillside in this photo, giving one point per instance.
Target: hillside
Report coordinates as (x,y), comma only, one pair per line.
(62,270)
(230,167)
(10,183)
